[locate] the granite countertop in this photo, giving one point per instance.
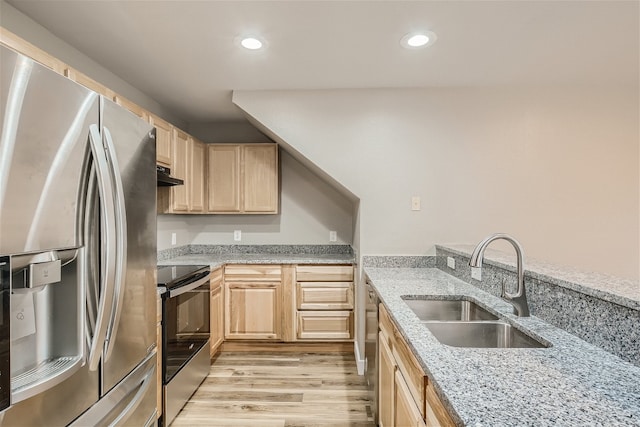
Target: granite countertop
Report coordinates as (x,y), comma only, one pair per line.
(217,260)
(571,383)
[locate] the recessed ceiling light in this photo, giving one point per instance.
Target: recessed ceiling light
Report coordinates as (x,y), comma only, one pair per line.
(418,40)
(251,43)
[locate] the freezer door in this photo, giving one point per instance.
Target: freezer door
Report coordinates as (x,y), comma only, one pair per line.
(42,151)
(131,336)
(132,402)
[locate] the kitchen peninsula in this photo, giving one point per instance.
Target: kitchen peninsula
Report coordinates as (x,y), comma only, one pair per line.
(570,383)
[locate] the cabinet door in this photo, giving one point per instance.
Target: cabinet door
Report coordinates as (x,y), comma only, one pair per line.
(24,47)
(163,140)
(386,382)
(88,82)
(217,320)
(223,178)
(196,169)
(253,310)
(179,150)
(131,106)
(216,309)
(406,411)
(260,178)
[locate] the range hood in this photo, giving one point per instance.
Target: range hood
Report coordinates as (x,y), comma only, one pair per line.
(165,179)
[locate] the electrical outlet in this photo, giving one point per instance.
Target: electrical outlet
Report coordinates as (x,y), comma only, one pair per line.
(415,203)
(476,273)
(451,262)
(333,236)
(237,235)
(174,239)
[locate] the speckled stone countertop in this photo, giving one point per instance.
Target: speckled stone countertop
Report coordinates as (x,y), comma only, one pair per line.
(217,260)
(603,286)
(571,383)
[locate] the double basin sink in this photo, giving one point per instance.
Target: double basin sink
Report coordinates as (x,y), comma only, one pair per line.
(462,323)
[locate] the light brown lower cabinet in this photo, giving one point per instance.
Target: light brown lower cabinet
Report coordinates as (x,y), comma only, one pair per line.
(386,382)
(267,302)
(406,411)
(216,311)
(405,396)
(324,302)
(252,310)
(325,325)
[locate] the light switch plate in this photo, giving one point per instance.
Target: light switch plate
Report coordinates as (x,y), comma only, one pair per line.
(415,203)
(476,273)
(451,262)
(173,238)
(237,235)
(333,236)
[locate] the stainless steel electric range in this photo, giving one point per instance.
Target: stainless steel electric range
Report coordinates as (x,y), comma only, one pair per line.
(185,334)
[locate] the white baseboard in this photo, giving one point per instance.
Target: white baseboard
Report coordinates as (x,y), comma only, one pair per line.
(360,362)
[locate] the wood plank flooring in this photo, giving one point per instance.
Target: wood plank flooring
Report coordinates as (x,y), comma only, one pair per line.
(280,390)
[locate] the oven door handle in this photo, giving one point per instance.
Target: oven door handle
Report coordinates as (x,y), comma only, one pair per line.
(187,288)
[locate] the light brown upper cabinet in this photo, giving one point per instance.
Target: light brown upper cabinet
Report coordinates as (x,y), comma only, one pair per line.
(243,178)
(223,178)
(88,82)
(180,160)
(196,169)
(260,178)
(16,43)
(176,199)
(163,140)
(131,106)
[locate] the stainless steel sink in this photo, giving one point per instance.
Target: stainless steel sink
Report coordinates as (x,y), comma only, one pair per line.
(487,334)
(448,310)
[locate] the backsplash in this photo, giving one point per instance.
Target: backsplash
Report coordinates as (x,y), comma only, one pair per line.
(401,261)
(255,249)
(606,324)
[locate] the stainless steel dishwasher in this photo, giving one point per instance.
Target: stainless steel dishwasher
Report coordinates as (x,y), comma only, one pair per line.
(371,348)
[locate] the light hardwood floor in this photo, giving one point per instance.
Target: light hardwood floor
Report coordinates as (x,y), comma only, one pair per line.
(280,389)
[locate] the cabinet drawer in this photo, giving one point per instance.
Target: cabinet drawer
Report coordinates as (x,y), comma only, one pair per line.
(324,273)
(252,273)
(324,295)
(325,325)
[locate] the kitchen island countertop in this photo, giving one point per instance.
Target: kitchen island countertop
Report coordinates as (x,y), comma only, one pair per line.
(571,383)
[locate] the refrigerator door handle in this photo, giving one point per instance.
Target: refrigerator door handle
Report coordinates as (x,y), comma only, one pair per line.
(121,243)
(105,190)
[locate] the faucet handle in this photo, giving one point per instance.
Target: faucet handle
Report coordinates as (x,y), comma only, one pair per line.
(503,288)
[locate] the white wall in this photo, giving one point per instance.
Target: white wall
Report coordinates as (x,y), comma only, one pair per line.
(555,167)
(309,209)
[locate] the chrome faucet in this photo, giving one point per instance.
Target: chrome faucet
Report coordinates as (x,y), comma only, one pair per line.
(519,299)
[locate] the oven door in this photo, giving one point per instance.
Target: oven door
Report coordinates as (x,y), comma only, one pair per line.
(185,325)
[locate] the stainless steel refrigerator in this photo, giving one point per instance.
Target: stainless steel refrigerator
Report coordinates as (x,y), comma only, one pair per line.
(78,228)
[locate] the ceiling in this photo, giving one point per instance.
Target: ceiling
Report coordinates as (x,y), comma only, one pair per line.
(183,54)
